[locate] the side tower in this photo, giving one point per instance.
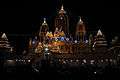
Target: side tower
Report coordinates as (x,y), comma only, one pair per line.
(62,21)
(4,44)
(80,31)
(100,43)
(5,48)
(43,30)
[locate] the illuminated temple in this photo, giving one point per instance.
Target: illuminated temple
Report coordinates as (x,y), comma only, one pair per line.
(59,42)
(5,48)
(4,43)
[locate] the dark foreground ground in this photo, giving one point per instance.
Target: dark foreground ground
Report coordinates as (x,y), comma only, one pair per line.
(60,72)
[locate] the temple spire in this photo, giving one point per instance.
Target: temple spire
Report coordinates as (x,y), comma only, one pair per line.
(43,30)
(44,22)
(4,36)
(80,20)
(62,10)
(99,33)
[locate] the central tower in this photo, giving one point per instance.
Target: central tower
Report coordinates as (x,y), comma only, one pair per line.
(62,21)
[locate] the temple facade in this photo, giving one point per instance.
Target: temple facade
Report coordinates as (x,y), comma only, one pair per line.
(63,46)
(57,41)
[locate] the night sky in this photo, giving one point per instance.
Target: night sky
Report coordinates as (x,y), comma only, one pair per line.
(23,19)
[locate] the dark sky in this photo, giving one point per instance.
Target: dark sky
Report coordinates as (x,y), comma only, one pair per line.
(24,18)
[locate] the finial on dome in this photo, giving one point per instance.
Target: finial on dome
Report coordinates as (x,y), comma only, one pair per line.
(44,20)
(44,23)
(62,9)
(80,20)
